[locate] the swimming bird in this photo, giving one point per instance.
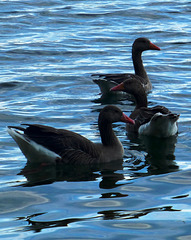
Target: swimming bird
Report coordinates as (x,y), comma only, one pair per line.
(41,143)
(107,81)
(157,121)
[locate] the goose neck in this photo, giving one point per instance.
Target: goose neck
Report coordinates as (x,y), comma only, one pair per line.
(138,64)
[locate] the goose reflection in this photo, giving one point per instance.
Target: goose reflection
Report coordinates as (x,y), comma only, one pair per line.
(39,174)
(38,226)
(160,157)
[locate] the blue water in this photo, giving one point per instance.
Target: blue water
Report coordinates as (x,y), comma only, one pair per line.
(49,49)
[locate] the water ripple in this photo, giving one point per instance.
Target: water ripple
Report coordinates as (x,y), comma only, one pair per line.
(49,49)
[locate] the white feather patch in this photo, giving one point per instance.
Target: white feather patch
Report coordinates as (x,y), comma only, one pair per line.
(159,126)
(33,151)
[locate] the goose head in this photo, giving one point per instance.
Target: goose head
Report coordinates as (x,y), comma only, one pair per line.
(143,44)
(112,114)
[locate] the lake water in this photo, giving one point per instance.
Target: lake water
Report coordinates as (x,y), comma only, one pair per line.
(49,49)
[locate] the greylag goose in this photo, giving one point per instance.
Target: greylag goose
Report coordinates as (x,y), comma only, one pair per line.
(155,121)
(107,81)
(41,143)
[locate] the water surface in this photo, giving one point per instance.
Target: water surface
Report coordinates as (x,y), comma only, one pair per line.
(49,49)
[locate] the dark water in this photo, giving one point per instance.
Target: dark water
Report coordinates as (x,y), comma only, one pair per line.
(48,51)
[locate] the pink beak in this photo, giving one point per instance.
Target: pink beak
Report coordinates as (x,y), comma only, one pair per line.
(153,47)
(119,87)
(126,119)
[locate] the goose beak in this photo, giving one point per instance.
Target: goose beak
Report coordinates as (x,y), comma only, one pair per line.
(153,46)
(119,87)
(126,119)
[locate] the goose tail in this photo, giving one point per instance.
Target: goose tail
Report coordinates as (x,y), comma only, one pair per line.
(34,152)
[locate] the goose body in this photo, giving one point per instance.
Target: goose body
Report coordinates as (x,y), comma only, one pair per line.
(107,81)
(41,143)
(155,121)
(160,125)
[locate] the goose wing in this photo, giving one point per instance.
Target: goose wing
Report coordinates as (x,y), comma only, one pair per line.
(69,145)
(118,77)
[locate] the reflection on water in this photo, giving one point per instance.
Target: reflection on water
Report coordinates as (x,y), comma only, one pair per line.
(13,201)
(41,174)
(38,174)
(160,156)
(38,226)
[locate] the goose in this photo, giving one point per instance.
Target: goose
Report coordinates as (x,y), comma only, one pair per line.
(157,121)
(40,143)
(107,81)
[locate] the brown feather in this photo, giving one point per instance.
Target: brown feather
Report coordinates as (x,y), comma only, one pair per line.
(71,147)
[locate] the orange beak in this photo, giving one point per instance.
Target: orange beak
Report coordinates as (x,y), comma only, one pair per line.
(119,87)
(153,47)
(127,119)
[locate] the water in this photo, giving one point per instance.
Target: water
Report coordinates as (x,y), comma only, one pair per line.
(48,51)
